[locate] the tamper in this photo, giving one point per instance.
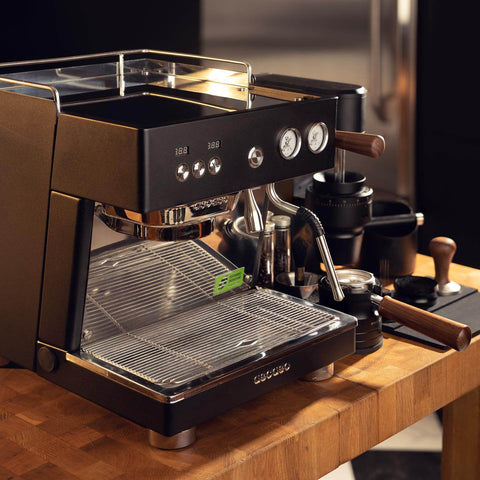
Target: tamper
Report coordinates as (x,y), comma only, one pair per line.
(442,250)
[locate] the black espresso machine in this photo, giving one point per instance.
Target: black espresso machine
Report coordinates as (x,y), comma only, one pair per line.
(117,173)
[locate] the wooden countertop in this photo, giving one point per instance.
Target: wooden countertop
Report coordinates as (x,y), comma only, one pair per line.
(301,431)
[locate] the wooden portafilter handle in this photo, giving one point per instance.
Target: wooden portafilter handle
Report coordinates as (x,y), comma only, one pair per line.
(363,143)
(442,249)
(453,334)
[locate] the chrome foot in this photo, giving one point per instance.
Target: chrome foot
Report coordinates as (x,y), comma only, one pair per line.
(321,374)
(180,440)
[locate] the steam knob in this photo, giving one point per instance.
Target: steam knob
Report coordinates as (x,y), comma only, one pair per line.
(442,250)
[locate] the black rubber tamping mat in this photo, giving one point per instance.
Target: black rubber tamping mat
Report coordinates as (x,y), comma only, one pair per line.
(464,307)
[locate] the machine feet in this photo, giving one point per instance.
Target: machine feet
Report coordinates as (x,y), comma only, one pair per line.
(323,373)
(180,440)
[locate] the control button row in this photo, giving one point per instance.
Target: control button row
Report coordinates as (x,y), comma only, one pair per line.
(214,165)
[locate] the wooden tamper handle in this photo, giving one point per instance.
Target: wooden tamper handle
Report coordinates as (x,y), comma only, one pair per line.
(453,334)
(362,143)
(442,249)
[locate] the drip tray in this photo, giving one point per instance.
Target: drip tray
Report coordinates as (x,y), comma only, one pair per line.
(196,342)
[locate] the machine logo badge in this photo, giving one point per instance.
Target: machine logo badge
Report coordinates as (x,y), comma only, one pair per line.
(273,372)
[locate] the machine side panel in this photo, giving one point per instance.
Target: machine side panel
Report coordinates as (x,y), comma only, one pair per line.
(27,130)
(66,270)
(99,161)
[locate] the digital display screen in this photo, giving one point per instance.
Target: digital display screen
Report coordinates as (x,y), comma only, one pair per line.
(179,151)
(213,145)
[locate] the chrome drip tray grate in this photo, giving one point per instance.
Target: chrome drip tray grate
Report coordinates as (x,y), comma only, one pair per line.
(142,282)
(171,342)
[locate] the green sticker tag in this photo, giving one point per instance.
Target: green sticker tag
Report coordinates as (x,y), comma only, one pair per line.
(228,281)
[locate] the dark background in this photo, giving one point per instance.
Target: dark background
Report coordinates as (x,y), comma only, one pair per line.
(448,138)
(31,29)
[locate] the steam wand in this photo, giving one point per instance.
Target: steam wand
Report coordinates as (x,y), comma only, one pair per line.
(252,215)
(317,229)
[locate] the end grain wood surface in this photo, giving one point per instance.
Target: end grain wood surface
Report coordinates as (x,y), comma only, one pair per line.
(301,431)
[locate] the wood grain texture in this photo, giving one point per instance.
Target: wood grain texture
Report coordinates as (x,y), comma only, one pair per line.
(362,143)
(461,438)
(301,431)
(453,334)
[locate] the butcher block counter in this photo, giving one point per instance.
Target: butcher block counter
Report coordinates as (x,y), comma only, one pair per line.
(301,431)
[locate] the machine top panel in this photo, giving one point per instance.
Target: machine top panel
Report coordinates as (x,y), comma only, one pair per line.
(144,130)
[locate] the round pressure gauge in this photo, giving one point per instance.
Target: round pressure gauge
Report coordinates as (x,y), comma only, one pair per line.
(290,142)
(317,137)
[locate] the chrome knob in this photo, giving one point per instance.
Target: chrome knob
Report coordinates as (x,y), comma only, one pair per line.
(255,157)
(214,165)
(182,172)
(199,168)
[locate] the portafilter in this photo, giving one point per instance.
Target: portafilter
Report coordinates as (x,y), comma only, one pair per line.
(353,282)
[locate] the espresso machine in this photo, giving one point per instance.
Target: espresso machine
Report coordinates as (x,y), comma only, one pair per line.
(118,171)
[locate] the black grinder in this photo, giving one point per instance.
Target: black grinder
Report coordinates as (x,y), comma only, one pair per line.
(342,199)
(345,208)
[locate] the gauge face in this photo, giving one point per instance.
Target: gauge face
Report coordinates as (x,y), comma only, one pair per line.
(317,137)
(290,142)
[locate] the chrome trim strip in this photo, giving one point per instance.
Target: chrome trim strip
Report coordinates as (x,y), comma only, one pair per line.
(22,83)
(110,375)
(286,95)
(120,379)
(246,66)
(208,69)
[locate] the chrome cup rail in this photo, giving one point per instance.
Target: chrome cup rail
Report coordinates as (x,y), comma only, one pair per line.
(229,79)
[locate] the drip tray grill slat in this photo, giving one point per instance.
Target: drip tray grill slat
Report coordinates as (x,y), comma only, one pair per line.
(192,335)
